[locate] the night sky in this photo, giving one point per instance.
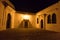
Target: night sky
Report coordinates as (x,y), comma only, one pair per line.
(32,5)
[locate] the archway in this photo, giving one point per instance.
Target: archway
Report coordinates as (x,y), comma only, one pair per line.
(8,24)
(26,23)
(41,23)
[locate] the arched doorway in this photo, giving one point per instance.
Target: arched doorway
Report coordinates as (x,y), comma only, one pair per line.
(8,24)
(26,23)
(41,23)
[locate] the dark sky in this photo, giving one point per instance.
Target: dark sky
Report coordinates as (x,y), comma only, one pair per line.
(32,5)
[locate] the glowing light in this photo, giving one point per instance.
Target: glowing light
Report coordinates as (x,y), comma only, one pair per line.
(26,17)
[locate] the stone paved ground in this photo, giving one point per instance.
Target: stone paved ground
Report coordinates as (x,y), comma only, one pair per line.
(28,34)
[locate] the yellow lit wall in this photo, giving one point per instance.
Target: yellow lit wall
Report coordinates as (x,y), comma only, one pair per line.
(55,8)
(1,16)
(10,11)
(38,25)
(20,17)
(4,11)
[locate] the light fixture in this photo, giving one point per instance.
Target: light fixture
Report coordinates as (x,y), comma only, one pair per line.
(26,17)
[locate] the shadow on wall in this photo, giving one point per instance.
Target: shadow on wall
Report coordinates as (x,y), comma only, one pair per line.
(21,25)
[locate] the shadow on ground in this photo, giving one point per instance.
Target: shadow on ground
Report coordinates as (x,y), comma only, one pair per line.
(28,34)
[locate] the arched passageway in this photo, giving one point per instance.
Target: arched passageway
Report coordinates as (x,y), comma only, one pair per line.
(8,24)
(41,23)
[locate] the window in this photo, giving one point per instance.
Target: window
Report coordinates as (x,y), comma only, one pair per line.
(37,20)
(54,18)
(49,19)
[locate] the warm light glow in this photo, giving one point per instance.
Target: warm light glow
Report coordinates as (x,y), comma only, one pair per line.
(26,17)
